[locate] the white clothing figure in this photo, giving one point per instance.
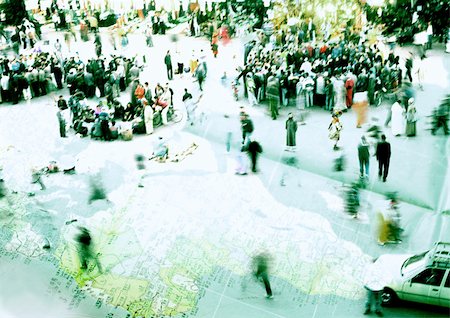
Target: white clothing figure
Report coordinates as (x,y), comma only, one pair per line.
(397,119)
(148,119)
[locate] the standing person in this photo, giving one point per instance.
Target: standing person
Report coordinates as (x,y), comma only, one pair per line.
(253,150)
(168,62)
(429,36)
(62,124)
(291,130)
(260,264)
(398,119)
(363,156)
(334,131)
(329,95)
(190,106)
(383,154)
(349,84)
(411,119)
(149,36)
(85,250)
(148,118)
(272,94)
(373,283)
(215,44)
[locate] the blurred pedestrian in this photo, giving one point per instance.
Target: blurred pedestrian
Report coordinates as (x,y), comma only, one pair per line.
(253,150)
(291,130)
(260,265)
(363,156)
(374,284)
(86,252)
(383,154)
(398,119)
(247,130)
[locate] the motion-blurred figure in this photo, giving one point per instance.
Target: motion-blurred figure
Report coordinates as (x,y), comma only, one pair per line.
(253,150)
(441,116)
(260,264)
(373,283)
(352,200)
(86,252)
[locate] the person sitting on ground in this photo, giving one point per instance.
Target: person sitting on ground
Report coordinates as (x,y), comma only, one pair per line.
(114,131)
(161,151)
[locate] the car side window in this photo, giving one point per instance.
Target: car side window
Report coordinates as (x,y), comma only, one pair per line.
(430,276)
(447,282)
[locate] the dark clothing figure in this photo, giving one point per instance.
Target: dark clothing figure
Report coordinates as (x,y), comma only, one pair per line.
(247,129)
(260,265)
(409,66)
(291,130)
(383,156)
(168,62)
(253,150)
(85,250)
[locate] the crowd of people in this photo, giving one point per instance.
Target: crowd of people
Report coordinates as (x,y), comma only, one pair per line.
(288,72)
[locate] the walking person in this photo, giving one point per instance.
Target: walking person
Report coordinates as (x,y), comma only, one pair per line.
(253,150)
(168,62)
(409,66)
(260,264)
(383,154)
(86,253)
(374,284)
(247,129)
(291,130)
(334,131)
(363,156)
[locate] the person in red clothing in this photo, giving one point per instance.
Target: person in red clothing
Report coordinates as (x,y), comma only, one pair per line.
(349,84)
(215,44)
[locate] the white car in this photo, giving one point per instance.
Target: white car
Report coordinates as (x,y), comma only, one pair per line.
(423,278)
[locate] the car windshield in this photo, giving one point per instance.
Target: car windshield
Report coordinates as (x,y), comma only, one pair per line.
(412,260)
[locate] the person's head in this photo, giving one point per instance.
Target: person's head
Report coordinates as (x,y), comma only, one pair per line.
(113,122)
(60,97)
(290,115)
(383,137)
(363,139)
(146,84)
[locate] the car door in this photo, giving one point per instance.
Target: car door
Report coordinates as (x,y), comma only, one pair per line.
(424,287)
(445,291)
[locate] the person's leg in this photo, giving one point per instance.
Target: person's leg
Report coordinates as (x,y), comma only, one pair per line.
(62,130)
(267,285)
(253,159)
(367,168)
(386,170)
(380,168)
(361,168)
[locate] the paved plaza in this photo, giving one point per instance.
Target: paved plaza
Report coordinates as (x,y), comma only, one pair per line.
(181,245)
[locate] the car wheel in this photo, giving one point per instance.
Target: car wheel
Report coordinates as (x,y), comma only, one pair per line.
(388,297)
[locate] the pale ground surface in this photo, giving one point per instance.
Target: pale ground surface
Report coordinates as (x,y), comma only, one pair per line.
(181,245)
